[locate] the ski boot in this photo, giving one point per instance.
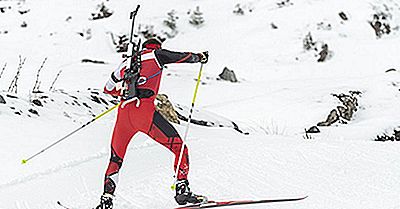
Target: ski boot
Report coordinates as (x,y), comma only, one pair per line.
(105,201)
(184,195)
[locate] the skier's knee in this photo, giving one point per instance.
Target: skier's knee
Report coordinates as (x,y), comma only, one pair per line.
(115,158)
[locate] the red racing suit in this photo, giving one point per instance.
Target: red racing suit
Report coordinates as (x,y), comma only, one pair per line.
(142,116)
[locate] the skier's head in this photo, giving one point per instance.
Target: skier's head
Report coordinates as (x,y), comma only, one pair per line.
(152,43)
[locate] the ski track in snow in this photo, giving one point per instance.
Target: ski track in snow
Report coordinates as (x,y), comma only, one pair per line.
(66,165)
(50,171)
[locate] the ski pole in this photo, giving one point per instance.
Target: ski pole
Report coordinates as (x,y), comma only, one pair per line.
(24,161)
(187,127)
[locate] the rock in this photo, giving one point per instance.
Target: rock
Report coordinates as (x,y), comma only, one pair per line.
(284,3)
(238,10)
(345,111)
(350,106)
(332,118)
(23,11)
(308,42)
(323,53)
(103,12)
(380,24)
(228,75)
(383,138)
(313,130)
(397,135)
(343,16)
(35,112)
(392,137)
(37,102)
(2,100)
(24,25)
(166,109)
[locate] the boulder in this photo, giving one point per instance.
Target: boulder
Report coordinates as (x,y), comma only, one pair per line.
(2,100)
(228,75)
(344,112)
(349,106)
(397,135)
(343,16)
(332,118)
(166,109)
(313,130)
(35,112)
(323,53)
(37,102)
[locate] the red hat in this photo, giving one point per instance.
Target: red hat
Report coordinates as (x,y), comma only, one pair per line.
(152,43)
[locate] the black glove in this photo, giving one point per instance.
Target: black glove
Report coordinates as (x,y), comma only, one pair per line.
(203,57)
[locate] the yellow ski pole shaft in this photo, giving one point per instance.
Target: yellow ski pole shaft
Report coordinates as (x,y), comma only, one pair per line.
(187,127)
(24,161)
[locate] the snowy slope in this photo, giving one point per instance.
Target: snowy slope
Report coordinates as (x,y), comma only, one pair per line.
(282,91)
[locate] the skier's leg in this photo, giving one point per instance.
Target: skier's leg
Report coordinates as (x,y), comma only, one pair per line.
(164,133)
(120,139)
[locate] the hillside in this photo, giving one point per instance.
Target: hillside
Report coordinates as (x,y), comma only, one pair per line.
(282,90)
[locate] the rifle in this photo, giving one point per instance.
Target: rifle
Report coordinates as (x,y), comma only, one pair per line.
(132,73)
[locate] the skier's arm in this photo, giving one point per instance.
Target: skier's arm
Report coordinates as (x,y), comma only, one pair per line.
(115,78)
(167,57)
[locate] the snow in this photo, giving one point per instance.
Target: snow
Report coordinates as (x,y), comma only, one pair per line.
(277,97)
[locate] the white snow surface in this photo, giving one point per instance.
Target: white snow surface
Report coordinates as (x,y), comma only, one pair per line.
(281,91)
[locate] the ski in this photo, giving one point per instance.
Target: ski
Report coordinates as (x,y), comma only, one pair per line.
(214,204)
(63,206)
